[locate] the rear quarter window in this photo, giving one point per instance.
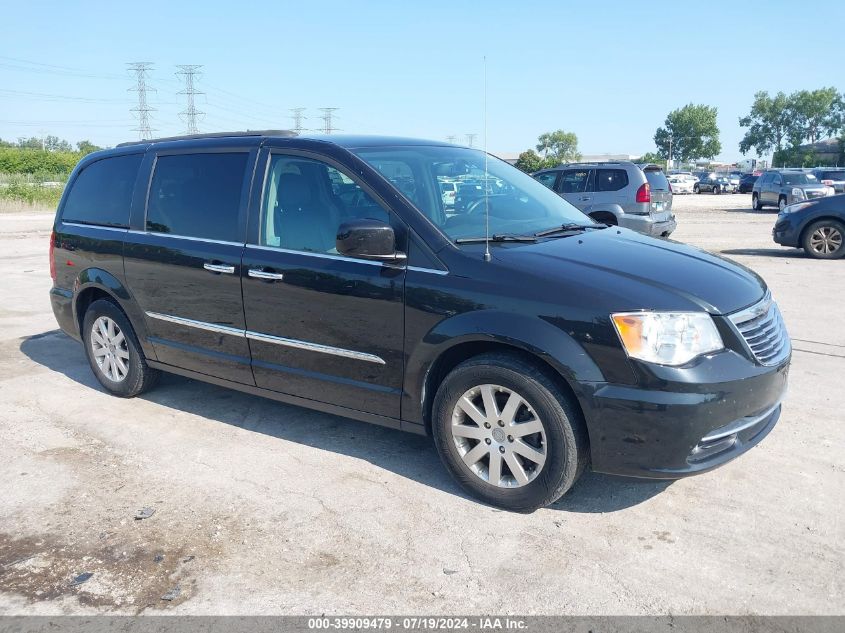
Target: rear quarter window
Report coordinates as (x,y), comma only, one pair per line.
(657,179)
(611,179)
(102,192)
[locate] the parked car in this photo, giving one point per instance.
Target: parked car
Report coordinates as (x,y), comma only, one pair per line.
(682,183)
(734,179)
(616,193)
(714,183)
(447,192)
(528,340)
(817,226)
(832,178)
(782,187)
(746,183)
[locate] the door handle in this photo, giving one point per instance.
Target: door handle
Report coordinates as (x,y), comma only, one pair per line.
(219,268)
(263,274)
(584,198)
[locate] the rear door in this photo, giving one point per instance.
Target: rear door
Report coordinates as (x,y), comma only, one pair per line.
(320,325)
(183,260)
(610,188)
(576,187)
(661,196)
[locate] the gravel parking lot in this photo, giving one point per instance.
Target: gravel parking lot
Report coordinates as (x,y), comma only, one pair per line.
(265,508)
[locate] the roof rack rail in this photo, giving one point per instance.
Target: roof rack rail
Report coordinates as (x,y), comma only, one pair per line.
(188,137)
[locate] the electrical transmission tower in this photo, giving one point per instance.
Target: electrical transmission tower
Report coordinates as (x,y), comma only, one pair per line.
(471,139)
(143,109)
(451,139)
(190,114)
(297,119)
(327,120)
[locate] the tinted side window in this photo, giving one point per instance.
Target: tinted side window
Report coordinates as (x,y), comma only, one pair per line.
(574,181)
(197,195)
(306,200)
(611,179)
(547,178)
(102,193)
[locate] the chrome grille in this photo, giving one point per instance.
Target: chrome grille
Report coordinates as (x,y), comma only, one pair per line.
(763,331)
(814,193)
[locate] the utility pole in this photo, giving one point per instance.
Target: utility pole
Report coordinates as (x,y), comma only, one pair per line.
(297,119)
(471,139)
(143,109)
(327,119)
(190,114)
(451,139)
(669,159)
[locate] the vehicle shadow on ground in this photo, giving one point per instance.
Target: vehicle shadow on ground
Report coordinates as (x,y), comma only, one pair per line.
(766,252)
(405,454)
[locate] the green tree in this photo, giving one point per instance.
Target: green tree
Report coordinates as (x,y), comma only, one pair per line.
(769,123)
(529,161)
(86,147)
(815,114)
(652,157)
(33,142)
(558,147)
(690,132)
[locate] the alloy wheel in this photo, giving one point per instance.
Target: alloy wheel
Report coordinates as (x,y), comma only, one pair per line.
(110,350)
(826,240)
(499,436)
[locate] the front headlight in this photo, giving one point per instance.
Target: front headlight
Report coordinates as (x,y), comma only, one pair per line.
(667,338)
(797,193)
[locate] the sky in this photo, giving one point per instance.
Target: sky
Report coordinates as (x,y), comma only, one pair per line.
(610,71)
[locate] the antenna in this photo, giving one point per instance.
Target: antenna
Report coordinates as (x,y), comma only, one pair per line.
(486,175)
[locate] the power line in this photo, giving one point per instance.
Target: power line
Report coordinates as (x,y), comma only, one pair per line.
(143,109)
(470,139)
(190,114)
(297,119)
(328,128)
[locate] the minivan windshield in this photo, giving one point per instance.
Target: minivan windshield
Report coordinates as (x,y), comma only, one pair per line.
(517,204)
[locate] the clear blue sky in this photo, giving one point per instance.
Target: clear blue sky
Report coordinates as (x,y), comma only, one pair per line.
(609,71)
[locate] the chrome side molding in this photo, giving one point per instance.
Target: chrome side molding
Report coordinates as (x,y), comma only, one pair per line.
(269,338)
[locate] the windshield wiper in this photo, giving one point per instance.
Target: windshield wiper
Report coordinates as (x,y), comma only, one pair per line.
(497,237)
(567,228)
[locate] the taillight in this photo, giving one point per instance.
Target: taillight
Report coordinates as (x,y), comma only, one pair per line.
(644,193)
(52,259)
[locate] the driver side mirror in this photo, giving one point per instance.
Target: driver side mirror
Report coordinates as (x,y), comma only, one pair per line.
(365,238)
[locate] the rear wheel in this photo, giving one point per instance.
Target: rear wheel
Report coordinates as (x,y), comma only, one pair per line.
(824,239)
(605,218)
(755,202)
(507,433)
(113,351)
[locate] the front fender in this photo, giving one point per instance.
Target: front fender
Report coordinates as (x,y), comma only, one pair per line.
(533,335)
(97,278)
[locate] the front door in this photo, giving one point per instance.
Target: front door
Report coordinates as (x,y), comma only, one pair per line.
(576,187)
(321,326)
(184,265)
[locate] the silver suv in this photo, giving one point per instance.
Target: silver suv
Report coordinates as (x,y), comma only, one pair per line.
(782,187)
(637,197)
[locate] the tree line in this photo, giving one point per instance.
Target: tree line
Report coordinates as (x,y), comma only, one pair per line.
(48,155)
(780,124)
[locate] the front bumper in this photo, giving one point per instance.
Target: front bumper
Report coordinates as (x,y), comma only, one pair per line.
(723,407)
(787,230)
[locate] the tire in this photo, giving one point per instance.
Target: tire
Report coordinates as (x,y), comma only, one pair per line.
(781,203)
(755,202)
(716,190)
(824,239)
(605,218)
(113,351)
(561,441)
(696,189)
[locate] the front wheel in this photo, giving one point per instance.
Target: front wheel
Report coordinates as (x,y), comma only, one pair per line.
(113,351)
(755,202)
(696,189)
(507,433)
(716,190)
(781,204)
(824,239)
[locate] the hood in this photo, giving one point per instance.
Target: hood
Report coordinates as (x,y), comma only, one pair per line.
(625,270)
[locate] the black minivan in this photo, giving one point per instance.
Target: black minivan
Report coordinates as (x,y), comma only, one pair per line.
(528,340)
